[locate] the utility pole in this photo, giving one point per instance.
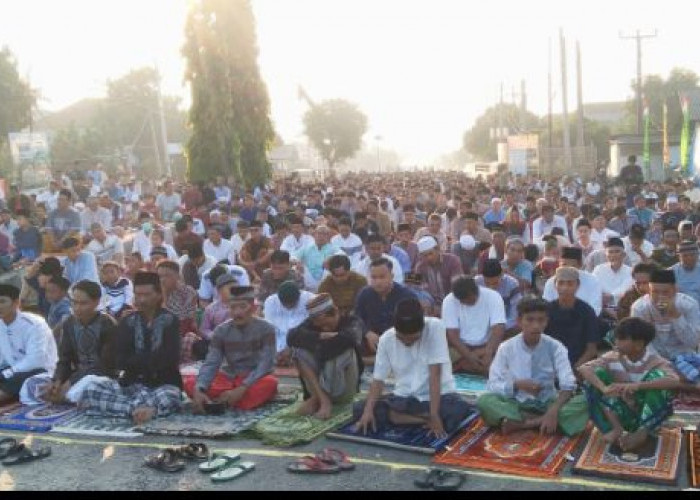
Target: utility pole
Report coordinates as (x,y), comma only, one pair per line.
(581,131)
(565,102)
(156,148)
(523,106)
(550,116)
(163,128)
(639,36)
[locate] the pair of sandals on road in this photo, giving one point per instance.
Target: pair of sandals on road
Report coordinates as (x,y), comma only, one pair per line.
(327,461)
(223,467)
(440,480)
(13,453)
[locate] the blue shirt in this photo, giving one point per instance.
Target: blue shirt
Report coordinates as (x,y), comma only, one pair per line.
(248,214)
(84,268)
(491,216)
(523,270)
(400,255)
(378,314)
(313,258)
(688,282)
(644,215)
(58,311)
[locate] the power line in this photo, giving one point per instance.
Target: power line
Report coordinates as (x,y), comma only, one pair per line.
(639,36)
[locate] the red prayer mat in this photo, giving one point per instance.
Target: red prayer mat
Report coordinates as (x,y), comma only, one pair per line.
(524,453)
(655,463)
(686,402)
(694,462)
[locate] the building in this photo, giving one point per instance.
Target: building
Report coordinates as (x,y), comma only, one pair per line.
(624,146)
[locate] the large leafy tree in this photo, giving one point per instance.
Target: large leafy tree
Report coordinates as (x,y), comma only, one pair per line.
(230,115)
(479,141)
(335,128)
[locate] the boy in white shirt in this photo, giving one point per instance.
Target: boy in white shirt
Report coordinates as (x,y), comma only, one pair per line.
(415,351)
(521,388)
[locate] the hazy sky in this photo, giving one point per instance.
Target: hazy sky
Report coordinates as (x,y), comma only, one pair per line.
(422,70)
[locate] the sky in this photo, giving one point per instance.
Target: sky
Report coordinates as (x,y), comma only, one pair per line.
(422,70)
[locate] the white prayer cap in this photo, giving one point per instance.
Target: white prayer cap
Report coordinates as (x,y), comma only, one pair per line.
(467,242)
(672,199)
(426,244)
(214,212)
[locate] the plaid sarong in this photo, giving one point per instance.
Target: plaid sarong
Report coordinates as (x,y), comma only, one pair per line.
(109,399)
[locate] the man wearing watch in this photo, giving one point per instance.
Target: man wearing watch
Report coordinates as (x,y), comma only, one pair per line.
(248,345)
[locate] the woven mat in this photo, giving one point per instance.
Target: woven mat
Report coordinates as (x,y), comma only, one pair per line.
(286,428)
(408,438)
(687,403)
(36,418)
(655,463)
(86,425)
(694,459)
(524,453)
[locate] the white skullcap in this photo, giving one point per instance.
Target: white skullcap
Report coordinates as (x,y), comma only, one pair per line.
(426,244)
(467,242)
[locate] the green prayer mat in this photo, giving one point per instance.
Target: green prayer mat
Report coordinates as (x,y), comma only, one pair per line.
(285,428)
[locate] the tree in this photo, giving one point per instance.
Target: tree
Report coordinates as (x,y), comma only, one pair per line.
(478,140)
(335,128)
(230,114)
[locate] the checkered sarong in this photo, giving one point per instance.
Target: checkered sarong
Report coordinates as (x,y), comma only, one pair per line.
(107,398)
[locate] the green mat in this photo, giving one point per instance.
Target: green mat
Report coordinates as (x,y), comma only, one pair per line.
(285,428)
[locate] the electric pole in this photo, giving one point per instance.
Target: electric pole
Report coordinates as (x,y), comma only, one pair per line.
(581,131)
(565,102)
(163,129)
(639,36)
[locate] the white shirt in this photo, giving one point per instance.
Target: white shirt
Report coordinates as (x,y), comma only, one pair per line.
(474,322)
(542,228)
(237,243)
(220,252)
(546,362)
(101,215)
(209,262)
(292,245)
(285,319)
(50,200)
(363,267)
(352,247)
(103,252)
(614,283)
(633,257)
(593,188)
(27,344)
(588,291)
(411,365)
(207,290)
(599,238)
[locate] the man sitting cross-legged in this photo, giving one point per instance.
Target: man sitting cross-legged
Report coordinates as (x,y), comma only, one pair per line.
(416,352)
(629,389)
(247,344)
(86,345)
(326,348)
(521,388)
(147,359)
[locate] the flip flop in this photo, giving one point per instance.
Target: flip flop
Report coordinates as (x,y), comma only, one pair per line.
(9,446)
(166,461)
(333,456)
(24,455)
(232,471)
(312,465)
(219,461)
(193,451)
(428,478)
(449,481)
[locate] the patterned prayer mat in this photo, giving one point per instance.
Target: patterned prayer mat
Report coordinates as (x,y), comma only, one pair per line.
(9,407)
(470,383)
(290,372)
(286,428)
(87,425)
(409,438)
(694,461)
(229,425)
(36,418)
(523,453)
(656,463)
(686,402)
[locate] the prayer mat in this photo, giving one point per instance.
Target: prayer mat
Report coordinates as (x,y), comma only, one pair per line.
(9,407)
(289,372)
(470,383)
(523,453)
(286,428)
(410,438)
(694,461)
(36,418)
(87,425)
(229,425)
(657,462)
(687,403)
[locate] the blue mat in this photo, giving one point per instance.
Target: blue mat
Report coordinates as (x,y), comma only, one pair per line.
(410,438)
(470,383)
(36,418)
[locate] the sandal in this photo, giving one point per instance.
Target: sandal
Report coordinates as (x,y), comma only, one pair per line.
(428,478)
(333,456)
(232,471)
(24,455)
(166,461)
(449,481)
(193,451)
(219,461)
(312,465)
(9,446)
